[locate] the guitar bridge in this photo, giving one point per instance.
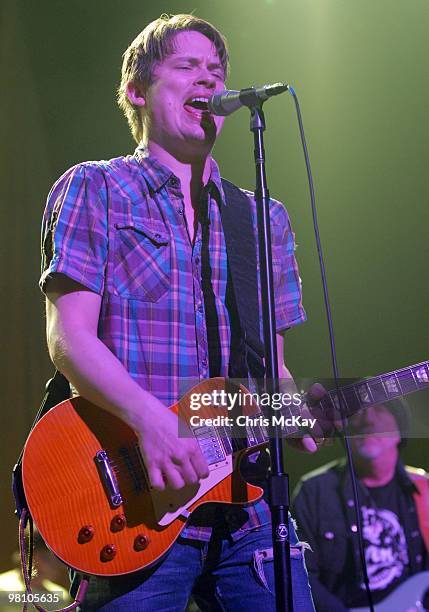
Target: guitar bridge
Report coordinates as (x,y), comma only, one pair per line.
(108,478)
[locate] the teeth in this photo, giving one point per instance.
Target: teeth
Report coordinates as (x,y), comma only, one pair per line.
(200,100)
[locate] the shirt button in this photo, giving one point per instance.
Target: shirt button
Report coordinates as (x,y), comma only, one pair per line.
(329,535)
(354,528)
(201,308)
(415,533)
(350,503)
(180,211)
(204,362)
(418,558)
(173,181)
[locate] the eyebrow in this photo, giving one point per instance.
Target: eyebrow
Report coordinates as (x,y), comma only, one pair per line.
(194,60)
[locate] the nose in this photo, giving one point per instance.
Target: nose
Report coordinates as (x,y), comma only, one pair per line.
(206,78)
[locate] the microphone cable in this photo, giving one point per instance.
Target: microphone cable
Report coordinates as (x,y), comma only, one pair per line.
(333,351)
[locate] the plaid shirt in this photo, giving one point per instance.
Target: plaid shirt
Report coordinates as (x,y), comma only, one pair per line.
(118,227)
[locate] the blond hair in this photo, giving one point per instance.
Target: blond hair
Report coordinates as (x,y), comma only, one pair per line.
(151,47)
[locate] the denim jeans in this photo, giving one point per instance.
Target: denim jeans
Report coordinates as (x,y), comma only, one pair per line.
(224,575)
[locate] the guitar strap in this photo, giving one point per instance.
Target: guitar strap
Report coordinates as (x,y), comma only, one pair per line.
(242,294)
(57,390)
(421,498)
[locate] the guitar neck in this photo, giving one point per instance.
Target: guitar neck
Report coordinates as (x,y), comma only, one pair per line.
(218,441)
(379,389)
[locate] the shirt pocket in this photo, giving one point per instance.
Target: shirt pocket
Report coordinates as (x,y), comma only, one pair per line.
(141,260)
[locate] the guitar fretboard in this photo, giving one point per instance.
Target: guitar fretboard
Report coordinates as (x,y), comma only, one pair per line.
(379,389)
(218,442)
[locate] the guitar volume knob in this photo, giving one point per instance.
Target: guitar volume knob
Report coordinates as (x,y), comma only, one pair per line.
(108,552)
(141,542)
(86,533)
(118,522)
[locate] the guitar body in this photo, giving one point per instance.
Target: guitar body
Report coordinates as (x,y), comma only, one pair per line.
(69,497)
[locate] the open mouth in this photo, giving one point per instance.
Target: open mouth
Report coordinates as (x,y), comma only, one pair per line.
(198,107)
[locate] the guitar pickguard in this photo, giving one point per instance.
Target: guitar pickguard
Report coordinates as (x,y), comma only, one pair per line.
(169,505)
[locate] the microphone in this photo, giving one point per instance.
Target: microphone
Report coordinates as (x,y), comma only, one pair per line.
(226,102)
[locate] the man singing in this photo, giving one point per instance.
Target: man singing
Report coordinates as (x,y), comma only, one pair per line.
(139,300)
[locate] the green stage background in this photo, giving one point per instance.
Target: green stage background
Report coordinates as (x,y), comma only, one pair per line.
(360,70)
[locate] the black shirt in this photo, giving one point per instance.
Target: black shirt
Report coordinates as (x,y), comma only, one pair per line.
(385,543)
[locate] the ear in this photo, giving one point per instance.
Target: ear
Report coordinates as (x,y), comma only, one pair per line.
(135,96)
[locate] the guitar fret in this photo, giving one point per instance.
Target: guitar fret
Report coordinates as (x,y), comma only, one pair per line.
(365,394)
(251,438)
(378,392)
(351,400)
(391,385)
(398,383)
(421,375)
(225,438)
(346,400)
(259,434)
(344,403)
(407,382)
(260,438)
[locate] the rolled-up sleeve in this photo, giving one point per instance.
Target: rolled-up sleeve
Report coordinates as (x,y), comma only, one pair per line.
(74,228)
(287,282)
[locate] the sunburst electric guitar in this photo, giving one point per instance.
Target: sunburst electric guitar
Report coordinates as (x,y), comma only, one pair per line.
(86,485)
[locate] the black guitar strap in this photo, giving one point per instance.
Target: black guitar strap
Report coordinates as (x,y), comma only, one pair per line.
(247,349)
(57,390)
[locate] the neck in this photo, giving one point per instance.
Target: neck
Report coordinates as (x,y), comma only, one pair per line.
(377,471)
(193,173)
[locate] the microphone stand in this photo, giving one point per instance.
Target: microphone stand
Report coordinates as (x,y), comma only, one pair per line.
(279,480)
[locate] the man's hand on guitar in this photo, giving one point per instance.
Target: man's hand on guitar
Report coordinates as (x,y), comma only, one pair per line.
(170,460)
(323,428)
(328,416)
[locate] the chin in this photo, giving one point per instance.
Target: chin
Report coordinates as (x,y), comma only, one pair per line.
(199,143)
(205,128)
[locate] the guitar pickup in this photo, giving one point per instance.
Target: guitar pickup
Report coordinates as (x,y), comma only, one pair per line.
(209,444)
(108,478)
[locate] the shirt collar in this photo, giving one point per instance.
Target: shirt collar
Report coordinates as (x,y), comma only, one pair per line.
(400,474)
(157,175)
(215,181)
